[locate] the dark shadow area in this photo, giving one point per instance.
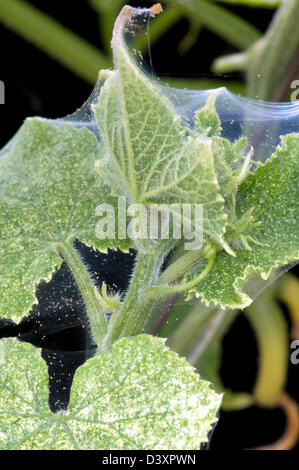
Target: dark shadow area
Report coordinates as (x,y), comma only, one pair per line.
(58,323)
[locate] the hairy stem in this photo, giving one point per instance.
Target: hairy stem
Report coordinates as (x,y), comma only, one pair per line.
(87,289)
(179,267)
(167,290)
(131,317)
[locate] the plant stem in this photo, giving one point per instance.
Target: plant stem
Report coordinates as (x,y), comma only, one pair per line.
(271,332)
(87,289)
(230,63)
(271,57)
(183,264)
(289,439)
(49,35)
(222,22)
(234,401)
(167,290)
(212,331)
(131,317)
(162,314)
(288,292)
(187,331)
(107,12)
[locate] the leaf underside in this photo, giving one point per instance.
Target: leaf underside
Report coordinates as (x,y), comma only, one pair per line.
(139,396)
(48,192)
(149,156)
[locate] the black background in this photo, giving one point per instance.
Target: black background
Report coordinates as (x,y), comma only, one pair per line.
(37,85)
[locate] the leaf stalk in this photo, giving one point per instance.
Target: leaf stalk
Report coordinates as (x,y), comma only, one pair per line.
(89,293)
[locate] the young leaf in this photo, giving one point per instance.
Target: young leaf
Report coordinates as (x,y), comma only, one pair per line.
(149,156)
(232,162)
(138,396)
(271,192)
(48,193)
(207,121)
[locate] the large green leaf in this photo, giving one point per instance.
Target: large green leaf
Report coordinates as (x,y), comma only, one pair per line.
(139,396)
(271,192)
(48,192)
(150,156)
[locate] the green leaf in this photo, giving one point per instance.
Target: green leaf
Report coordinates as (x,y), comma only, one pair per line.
(48,193)
(139,396)
(207,121)
(232,162)
(271,193)
(150,156)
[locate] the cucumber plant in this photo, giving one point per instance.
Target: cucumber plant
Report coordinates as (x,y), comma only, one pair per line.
(56,183)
